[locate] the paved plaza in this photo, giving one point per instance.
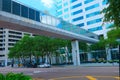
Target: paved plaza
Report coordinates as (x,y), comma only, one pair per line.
(68,73)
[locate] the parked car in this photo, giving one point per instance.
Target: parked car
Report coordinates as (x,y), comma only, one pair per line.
(45,65)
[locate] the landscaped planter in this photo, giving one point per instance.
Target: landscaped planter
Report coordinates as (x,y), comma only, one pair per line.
(13,76)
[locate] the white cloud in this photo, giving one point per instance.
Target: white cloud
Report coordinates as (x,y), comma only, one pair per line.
(47,3)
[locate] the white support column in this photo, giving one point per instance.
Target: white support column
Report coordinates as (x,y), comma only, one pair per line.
(66,54)
(6,46)
(108,52)
(89,56)
(75,52)
(6,60)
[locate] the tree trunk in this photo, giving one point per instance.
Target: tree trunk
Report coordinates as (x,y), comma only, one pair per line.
(37,60)
(49,56)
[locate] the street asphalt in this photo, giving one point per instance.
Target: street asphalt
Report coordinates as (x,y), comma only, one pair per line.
(68,72)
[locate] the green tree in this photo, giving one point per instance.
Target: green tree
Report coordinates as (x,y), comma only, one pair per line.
(36,46)
(99,45)
(112,12)
(83,46)
(113,35)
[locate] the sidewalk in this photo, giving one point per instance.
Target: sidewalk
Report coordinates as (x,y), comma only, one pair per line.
(95,65)
(100,64)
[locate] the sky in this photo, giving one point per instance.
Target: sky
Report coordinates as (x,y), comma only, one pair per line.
(42,5)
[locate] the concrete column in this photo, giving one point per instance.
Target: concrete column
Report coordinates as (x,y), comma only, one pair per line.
(6,46)
(108,52)
(89,56)
(6,60)
(75,52)
(66,54)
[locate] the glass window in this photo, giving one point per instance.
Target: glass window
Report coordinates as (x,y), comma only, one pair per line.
(95,29)
(37,16)
(66,16)
(104,2)
(59,7)
(59,1)
(77,5)
(15,8)
(78,18)
(77,12)
(31,14)
(65,4)
(43,18)
(80,25)
(66,10)
(92,14)
(91,7)
(87,1)
(73,1)
(110,25)
(94,21)
(59,13)
(24,11)
(6,5)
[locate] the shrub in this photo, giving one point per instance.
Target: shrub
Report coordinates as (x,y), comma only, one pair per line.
(104,61)
(117,61)
(110,61)
(99,61)
(13,76)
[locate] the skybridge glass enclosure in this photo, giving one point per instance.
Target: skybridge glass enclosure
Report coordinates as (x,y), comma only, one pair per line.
(32,14)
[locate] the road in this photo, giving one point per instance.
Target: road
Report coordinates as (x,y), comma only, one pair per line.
(68,73)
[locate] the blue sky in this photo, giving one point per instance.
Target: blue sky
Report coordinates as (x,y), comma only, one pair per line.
(43,5)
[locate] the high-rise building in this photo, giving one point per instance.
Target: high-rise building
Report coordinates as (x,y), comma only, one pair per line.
(84,13)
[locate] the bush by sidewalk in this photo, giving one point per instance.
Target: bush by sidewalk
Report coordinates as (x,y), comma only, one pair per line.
(13,76)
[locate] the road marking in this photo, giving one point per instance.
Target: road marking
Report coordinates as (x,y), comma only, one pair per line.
(117,78)
(38,79)
(90,78)
(37,71)
(69,77)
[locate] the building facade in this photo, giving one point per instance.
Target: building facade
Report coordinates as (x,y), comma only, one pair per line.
(85,14)
(8,38)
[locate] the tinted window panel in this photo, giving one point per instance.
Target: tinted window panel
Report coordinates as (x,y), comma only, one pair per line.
(95,29)
(24,11)
(92,7)
(80,25)
(31,14)
(77,5)
(77,12)
(73,1)
(88,1)
(78,18)
(6,5)
(37,16)
(16,8)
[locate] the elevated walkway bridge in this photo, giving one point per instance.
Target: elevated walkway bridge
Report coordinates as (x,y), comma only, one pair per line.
(17,16)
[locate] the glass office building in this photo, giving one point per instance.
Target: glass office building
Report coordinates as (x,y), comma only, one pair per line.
(84,13)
